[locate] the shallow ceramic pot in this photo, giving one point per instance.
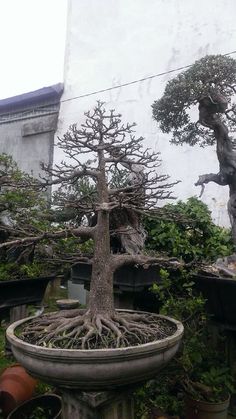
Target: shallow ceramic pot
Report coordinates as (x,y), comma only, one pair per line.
(96,369)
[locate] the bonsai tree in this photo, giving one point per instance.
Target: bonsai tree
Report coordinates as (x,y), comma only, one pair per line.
(101,145)
(210,84)
(20,204)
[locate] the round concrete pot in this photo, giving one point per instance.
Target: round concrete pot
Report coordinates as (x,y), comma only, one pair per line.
(96,369)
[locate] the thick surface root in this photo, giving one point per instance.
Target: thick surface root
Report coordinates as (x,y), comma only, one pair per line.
(76,329)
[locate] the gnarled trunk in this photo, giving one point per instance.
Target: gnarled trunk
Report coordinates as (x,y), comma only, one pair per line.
(226,155)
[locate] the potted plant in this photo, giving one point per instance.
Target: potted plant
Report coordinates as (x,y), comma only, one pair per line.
(23,275)
(106,348)
(208,395)
(198,374)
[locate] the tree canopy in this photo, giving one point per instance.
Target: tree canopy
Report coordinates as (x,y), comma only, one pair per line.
(213,74)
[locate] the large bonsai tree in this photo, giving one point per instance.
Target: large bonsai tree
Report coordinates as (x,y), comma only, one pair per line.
(210,84)
(101,145)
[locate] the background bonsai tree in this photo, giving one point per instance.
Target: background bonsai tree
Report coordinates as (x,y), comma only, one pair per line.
(20,205)
(209,83)
(101,145)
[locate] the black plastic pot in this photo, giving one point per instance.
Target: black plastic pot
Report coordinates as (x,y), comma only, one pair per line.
(221,296)
(48,405)
(127,278)
(131,285)
(23,291)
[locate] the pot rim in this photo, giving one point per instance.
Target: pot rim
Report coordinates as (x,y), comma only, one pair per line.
(204,402)
(167,342)
(41,396)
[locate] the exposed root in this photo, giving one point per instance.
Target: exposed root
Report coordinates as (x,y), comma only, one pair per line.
(77,329)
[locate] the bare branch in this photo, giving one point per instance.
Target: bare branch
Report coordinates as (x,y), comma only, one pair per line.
(87,232)
(118,261)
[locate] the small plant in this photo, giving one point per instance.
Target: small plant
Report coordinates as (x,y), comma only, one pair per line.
(213,385)
(159,394)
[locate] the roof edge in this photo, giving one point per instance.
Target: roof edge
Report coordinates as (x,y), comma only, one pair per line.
(26,100)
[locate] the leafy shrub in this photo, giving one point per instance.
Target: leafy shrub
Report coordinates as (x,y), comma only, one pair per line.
(192,236)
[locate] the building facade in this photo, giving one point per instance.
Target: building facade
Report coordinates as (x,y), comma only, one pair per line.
(28,123)
(114,42)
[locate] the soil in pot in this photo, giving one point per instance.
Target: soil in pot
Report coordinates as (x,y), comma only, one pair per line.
(47,406)
(69,329)
(198,409)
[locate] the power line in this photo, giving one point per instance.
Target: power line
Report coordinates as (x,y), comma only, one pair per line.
(123,85)
(135,81)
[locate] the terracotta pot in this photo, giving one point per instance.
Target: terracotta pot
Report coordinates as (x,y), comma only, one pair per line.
(50,404)
(16,386)
(203,410)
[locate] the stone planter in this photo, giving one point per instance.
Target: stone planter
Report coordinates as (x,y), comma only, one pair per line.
(96,369)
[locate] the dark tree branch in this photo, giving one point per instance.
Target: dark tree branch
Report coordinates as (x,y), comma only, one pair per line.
(86,232)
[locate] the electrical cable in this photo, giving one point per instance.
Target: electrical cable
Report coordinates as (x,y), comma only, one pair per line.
(135,81)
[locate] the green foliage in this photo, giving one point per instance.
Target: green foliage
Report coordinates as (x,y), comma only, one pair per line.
(200,360)
(157,394)
(70,245)
(183,92)
(71,200)
(212,385)
(23,212)
(16,194)
(36,269)
(118,177)
(192,237)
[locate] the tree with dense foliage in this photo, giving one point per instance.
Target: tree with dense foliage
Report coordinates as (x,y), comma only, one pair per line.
(210,84)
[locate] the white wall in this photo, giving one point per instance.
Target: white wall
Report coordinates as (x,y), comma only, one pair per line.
(110,42)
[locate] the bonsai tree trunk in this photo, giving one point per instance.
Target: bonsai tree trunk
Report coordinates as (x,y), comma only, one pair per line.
(209,117)
(101,288)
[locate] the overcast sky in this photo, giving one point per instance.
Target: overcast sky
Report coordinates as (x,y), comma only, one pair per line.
(32,39)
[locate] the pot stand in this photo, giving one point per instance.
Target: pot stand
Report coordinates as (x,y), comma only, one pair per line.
(97,405)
